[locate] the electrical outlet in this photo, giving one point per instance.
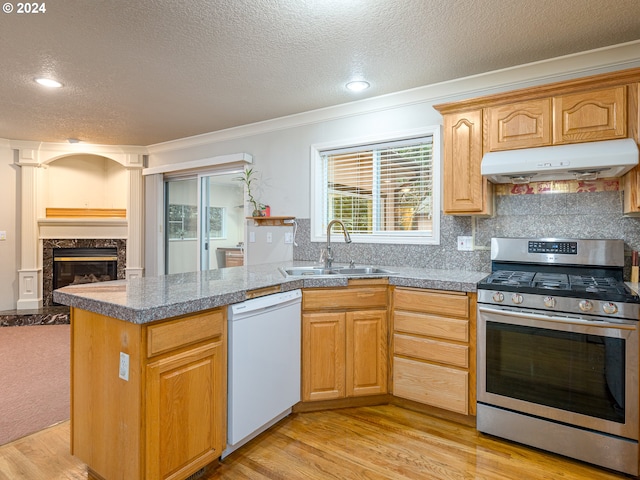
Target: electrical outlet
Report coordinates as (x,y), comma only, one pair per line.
(465,244)
(288,237)
(123,372)
(269,237)
(3,235)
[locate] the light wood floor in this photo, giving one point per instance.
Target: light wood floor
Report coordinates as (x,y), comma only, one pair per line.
(366,443)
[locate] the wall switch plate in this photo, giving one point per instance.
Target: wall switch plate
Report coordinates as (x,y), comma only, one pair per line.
(3,235)
(252,237)
(123,371)
(288,237)
(465,244)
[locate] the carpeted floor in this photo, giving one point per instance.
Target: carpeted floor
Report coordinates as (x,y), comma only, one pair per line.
(34,379)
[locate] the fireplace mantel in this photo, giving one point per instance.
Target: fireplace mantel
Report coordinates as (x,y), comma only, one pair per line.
(74,228)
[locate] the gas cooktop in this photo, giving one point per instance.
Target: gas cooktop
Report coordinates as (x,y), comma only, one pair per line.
(560,284)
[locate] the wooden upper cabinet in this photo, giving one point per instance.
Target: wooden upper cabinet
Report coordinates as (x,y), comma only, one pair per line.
(598,107)
(464,187)
(588,116)
(519,125)
(631,180)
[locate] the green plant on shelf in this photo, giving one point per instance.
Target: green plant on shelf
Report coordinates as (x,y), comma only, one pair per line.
(249,179)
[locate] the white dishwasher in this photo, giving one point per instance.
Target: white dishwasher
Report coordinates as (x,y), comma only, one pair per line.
(264,364)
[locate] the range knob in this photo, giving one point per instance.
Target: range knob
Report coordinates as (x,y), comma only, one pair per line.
(585,305)
(549,302)
(498,297)
(517,298)
(610,308)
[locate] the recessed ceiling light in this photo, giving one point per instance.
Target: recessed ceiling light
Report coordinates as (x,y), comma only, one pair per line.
(48,82)
(358,85)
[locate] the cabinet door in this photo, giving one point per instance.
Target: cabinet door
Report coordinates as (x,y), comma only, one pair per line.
(186,412)
(631,186)
(464,187)
(519,125)
(323,356)
(366,365)
(631,180)
(594,115)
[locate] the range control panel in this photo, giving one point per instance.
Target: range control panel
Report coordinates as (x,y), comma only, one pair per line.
(566,248)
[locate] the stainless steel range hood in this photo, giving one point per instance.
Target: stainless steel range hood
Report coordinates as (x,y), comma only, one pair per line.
(587,161)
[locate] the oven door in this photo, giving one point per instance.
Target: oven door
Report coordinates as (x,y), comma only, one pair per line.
(575,371)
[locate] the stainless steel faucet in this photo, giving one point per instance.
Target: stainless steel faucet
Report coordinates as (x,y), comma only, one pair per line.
(328,254)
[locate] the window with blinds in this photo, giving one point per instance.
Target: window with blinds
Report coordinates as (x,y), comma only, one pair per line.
(383,190)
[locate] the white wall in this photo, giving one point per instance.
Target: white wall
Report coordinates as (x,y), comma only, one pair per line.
(9,223)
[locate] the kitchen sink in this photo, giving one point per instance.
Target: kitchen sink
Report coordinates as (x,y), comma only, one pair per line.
(345,271)
(307,271)
(363,271)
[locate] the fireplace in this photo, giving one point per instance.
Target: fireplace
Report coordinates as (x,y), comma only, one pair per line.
(67,262)
(73,266)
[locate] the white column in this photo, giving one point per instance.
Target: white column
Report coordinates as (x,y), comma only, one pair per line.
(135,217)
(30,270)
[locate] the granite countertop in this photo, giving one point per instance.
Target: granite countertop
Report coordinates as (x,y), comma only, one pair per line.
(146,299)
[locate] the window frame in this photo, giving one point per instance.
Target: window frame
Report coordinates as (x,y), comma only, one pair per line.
(318,230)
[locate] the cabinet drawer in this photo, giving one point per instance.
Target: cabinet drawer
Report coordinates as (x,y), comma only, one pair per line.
(433,350)
(431,325)
(173,334)
(361,297)
(442,387)
(448,304)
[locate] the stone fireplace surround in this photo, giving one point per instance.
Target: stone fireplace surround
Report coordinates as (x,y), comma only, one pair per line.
(47,259)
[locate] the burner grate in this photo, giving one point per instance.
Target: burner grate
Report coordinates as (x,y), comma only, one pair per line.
(510,277)
(556,281)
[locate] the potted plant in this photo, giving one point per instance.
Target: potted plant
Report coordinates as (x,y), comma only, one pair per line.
(249,179)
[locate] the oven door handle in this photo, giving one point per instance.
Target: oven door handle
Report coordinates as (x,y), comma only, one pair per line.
(566,320)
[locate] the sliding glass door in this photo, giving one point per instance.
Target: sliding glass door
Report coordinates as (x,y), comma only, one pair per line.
(181,225)
(204,218)
(222,221)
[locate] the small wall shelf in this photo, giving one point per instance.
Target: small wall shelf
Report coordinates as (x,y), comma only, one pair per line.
(272,221)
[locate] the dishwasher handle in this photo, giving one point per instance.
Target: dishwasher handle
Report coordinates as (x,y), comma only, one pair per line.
(276,300)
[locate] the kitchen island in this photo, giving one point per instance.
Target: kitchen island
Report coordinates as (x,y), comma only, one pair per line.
(149,362)
(148,299)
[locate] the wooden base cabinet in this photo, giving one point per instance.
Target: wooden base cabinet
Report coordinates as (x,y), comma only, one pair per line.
(167,418)
(344,349)
(434,348)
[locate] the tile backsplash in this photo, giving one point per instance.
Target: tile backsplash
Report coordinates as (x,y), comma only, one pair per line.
(576,215)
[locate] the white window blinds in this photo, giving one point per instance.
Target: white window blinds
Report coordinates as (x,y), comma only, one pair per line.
(383,188)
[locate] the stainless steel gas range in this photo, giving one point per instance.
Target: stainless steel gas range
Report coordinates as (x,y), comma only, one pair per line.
(558,349)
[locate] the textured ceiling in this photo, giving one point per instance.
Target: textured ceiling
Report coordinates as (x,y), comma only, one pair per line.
(144,72)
